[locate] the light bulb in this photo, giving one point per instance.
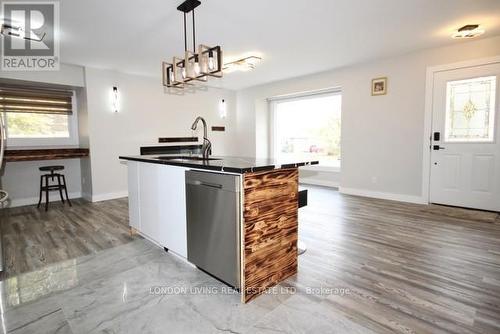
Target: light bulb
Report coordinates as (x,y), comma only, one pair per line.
(222,109)
(197,68)
(183,73)
(171,73)
(211,62)
(115,99)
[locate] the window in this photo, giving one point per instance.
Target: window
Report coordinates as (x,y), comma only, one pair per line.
(308,127)
(38,117)
(470,110)
(37,125)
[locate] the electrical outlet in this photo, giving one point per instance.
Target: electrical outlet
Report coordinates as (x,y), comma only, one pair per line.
(374,180)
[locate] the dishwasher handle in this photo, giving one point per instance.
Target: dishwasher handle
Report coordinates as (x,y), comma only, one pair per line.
(205,184)
(215,181)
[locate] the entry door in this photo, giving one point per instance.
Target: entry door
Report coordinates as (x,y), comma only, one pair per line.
(465,158)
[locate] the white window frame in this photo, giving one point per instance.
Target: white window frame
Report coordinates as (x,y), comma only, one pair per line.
(72,140)
(273,102)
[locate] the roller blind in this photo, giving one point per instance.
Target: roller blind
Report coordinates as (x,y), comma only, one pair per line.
(22,99)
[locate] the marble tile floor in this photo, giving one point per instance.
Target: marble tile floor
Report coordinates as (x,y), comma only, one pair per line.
(78,296)
(372,266)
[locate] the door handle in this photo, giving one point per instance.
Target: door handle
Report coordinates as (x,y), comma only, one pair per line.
(437,148)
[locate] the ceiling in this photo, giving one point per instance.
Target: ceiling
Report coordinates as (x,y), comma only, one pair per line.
(293,37)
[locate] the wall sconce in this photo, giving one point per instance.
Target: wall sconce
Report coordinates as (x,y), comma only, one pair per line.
(114,99)
(222,109)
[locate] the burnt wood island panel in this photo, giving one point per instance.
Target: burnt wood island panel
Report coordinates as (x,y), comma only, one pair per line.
(45,154)
(270,215)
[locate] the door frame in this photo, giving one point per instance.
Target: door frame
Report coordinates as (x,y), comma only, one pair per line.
(429,102)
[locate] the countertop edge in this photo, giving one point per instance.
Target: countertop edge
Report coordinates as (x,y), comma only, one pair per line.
(229,169)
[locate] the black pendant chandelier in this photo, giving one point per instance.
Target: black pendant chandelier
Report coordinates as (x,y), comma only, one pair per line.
(194,66)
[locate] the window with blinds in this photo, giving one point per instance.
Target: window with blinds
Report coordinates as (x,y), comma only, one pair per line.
(38,116)
(35,100)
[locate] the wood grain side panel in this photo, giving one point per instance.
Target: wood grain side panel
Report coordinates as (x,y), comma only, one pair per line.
(270,214)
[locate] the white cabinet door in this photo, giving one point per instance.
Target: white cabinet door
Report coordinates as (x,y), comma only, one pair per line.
(172,203)
(159,204)
(149,199)
(133,195)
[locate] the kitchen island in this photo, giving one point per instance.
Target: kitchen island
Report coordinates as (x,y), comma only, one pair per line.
(267,220)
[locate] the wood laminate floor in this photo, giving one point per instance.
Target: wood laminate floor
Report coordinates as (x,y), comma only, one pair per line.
(33,238)
(410,268)
(372,266)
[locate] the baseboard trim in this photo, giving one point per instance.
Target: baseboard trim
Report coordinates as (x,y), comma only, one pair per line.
(323,183)
(16,202)
(383,195)
(109,196)
(87,197)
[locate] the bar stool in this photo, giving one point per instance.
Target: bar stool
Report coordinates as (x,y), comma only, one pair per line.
(54,187)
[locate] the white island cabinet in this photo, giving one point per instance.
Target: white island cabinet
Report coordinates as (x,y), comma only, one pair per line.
(157,204)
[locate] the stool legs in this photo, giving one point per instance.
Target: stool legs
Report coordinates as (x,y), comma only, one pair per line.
(60,187)
(46,193)
(41,192)
(66,190)
(45,187)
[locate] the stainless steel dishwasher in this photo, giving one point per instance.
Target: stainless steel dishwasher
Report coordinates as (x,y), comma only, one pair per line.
(213,224)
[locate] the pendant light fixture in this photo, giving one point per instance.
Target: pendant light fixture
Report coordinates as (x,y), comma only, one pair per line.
(196,65)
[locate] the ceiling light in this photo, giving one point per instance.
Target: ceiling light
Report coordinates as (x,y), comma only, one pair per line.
(195,66)
(469,31)
(243,64)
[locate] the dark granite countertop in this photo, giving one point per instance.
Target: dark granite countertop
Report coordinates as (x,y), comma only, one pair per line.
(223,164)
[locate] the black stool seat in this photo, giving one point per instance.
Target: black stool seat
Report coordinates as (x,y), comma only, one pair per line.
(50,168)
(46,187)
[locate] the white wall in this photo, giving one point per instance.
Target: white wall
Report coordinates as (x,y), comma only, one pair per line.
(22,180)
(382,136)
(146,113)
(84,140)
(68,75)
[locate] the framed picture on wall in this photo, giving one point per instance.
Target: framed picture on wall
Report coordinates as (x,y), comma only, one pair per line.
(379,86)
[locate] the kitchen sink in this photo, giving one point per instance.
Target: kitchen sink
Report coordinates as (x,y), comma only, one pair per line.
(171,157)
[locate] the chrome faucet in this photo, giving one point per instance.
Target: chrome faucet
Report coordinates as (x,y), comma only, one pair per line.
(206,149)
